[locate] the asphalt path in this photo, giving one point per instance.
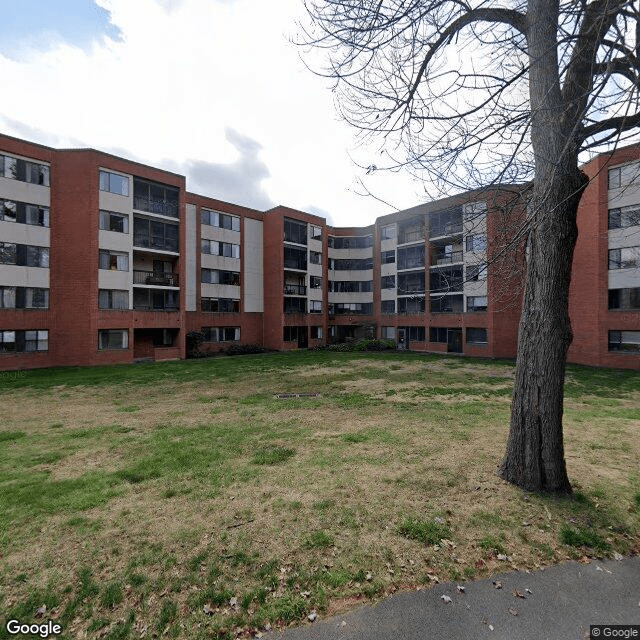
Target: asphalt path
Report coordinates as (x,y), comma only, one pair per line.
(557,603)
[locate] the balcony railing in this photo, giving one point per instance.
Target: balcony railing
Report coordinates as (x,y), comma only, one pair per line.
(446,258)
(155,278)
(410,236)
(449,229)
(163,207)
(295,290)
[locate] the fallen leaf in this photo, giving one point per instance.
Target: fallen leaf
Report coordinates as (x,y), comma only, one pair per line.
(497,584)
(432,577)
(208,610)
(513,611)
(518,594)
(369,577)
(40,611)
(460,589)
(312,616)
(617,556)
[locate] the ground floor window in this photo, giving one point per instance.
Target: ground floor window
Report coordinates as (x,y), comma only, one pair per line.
(113,299)
(113,339)
(388,333)
(24,341)
(416,334)
(476,336)
(221,305)
(221,334)
(388,306)
(624,340)
(316,333)
(476,303)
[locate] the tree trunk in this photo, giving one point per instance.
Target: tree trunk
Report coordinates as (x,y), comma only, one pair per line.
(535,451)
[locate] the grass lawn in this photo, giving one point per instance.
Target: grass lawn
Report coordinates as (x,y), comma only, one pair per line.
(184,499)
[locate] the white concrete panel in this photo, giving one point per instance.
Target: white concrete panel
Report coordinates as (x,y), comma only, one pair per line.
(315,270)
(475,288)
(388,245)
(115,279)
(116,241)
(216,233)
(619,238)
(219,291)
(388,294)
(388,269)
(25,192)
(626,196)
(14,276)
(191,235)
(24,234)
(114,202)
(219,262)
(351,275)
(624,278)
(351,254)
(351,297)
(315,245)
(254,266)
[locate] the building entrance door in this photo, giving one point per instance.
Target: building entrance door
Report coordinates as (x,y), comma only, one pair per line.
(454,340)
(403,338)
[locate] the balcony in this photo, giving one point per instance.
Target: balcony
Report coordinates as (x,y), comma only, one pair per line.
(155,278)
(295,290)
(413,235)
(446,258)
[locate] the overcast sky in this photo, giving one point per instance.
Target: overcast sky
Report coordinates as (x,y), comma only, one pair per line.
(211,89)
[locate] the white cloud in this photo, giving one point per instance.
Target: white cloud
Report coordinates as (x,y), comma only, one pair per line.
(184,74)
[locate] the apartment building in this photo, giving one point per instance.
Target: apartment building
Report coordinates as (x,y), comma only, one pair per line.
(106,260)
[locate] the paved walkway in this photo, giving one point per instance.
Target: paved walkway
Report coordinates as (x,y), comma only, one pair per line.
(560,603)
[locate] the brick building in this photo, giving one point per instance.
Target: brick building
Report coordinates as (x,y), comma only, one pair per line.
(106,260)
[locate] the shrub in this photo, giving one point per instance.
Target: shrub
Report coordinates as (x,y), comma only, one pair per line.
(243,349)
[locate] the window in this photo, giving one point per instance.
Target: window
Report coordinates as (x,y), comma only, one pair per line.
(624,299)
(388,333)
(315,257)
(24,255)
(216,276)
(388,232)
(295,258)
(388,306)
(24,341)
(446,279)
(164,337)
(476,272)
(363,264)
(113,299)
(437,334)
(446,223)
(110,221)
(315,306)
(24,298)
(226,249)
(412,282)
(221,220)
(315,233)
(351,286)
(155,300)
(624,217)
(25,171)
(411,305)
(113,339)
(316,333)
(352,308)
(114,183)
(351,242)
(295,305)
(221,334)
(476,303)
(315,282)
(411,230)
(290,334)
(476,335)
(220,305)
(624,175)
(388,282)
(388,257)
(476,242)
(156,198)
(295,231)
(411,257)
(24,213)
(446,304)
(624,340)
(113,261)
(153,234)
(417,334)
(626,258)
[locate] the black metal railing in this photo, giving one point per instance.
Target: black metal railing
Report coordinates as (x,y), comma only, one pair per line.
(155,278)
(295,290)
(446,258)
(152,205)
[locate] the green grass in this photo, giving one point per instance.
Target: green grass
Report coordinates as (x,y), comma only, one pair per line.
(146,492)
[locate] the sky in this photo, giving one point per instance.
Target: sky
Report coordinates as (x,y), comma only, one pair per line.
(211,89)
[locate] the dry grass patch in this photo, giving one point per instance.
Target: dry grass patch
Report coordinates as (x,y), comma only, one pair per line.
(191,488)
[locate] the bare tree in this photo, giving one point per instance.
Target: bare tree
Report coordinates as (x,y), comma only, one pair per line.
(475,93)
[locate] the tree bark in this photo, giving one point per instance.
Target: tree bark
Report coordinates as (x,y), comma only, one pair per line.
(535,450)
